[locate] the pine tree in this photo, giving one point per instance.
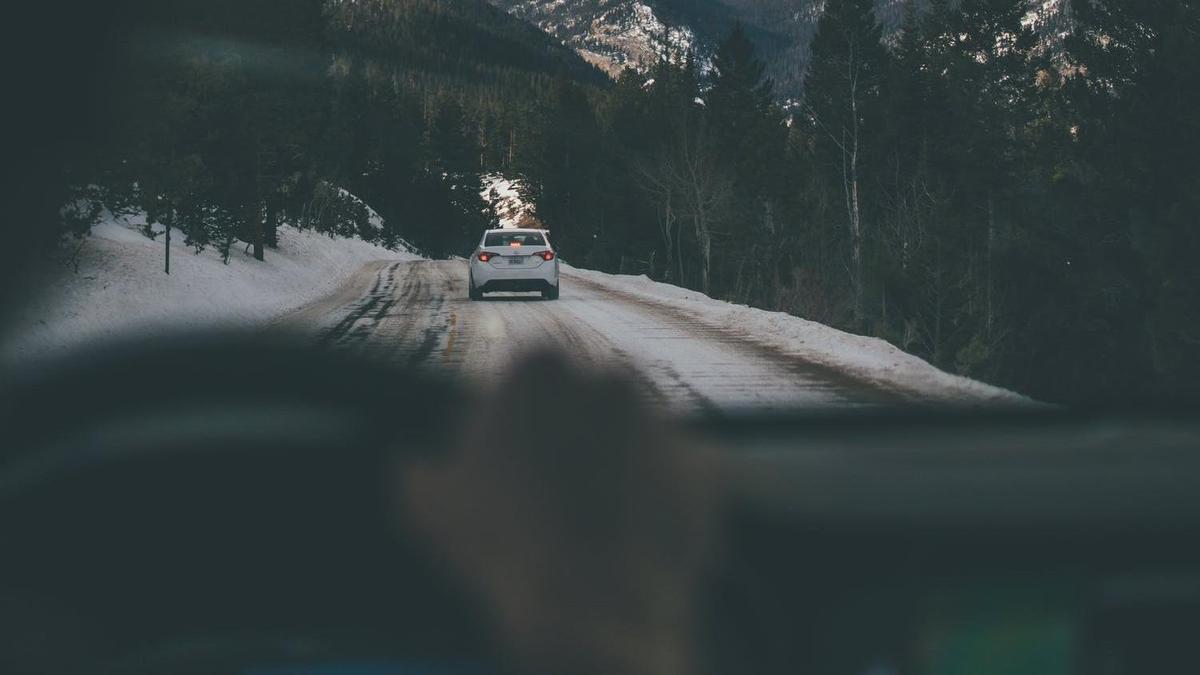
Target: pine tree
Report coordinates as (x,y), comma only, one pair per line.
(908,271)
(451,148)
(740,99)
(842,93)
(1141,141)
(750,135)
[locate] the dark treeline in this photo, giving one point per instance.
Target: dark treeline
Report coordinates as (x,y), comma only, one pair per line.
(1013,208)
(226,119)
(1011,205)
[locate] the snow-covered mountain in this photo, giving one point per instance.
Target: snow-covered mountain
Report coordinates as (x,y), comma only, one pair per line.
(611,34)
(614,34)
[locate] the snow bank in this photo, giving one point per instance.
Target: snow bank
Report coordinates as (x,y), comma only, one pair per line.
(869,359)
(120,287)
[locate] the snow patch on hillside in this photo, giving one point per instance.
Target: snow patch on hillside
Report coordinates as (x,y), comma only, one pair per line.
(634,33)
(869,359)
(373,216)
(610,34)
(120,289)
(375,220)
(504,194)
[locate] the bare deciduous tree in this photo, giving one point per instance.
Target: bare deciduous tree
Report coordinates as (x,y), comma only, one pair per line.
(705,188)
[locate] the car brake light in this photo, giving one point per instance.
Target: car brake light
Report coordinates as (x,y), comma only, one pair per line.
(546,255)
(486,256)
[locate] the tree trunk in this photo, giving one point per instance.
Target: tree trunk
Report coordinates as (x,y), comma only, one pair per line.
(259,235)
(856,218)
(272,231)
(856,254)
(227,247)
(938,282)
(679,256)
(883,304)
(705,241)
(167,248)
(991,242)
(668,225)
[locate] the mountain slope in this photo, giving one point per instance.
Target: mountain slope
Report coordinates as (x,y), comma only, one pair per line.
(467,40)
(613,34)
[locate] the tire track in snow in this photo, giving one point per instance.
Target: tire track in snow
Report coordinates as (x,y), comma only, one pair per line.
(417,313)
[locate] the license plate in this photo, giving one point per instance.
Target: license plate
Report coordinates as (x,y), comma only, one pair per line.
(516,260)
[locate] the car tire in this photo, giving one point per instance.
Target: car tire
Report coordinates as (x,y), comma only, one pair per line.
(551,294)
(472,292)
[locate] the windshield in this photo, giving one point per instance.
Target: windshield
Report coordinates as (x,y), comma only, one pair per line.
(850,206)
(868,342)
(514,239)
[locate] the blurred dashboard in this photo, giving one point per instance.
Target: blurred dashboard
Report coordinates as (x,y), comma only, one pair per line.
(253,530)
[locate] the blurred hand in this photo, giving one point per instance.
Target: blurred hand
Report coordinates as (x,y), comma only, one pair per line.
(583,519)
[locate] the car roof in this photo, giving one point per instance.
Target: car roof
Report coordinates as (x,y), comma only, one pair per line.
(520,230)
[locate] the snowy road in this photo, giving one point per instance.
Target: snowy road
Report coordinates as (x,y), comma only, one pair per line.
(417,313)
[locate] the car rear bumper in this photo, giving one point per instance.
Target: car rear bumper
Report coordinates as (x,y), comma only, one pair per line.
(517,285)
(488,278)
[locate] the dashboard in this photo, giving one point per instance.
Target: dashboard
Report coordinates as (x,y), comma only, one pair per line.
(256,530)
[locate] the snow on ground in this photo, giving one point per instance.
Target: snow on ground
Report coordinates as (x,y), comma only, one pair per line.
(864,358)
(505,195)
(120,287)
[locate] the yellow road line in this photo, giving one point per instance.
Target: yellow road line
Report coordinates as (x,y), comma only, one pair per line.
(453,333)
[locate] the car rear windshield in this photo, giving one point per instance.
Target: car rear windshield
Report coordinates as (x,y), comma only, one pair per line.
(510,238)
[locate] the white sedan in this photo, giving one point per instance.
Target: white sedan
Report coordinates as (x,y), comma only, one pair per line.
(513,260)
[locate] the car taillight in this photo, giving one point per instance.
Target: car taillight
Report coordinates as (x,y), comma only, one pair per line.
(485,256)
(546,255)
